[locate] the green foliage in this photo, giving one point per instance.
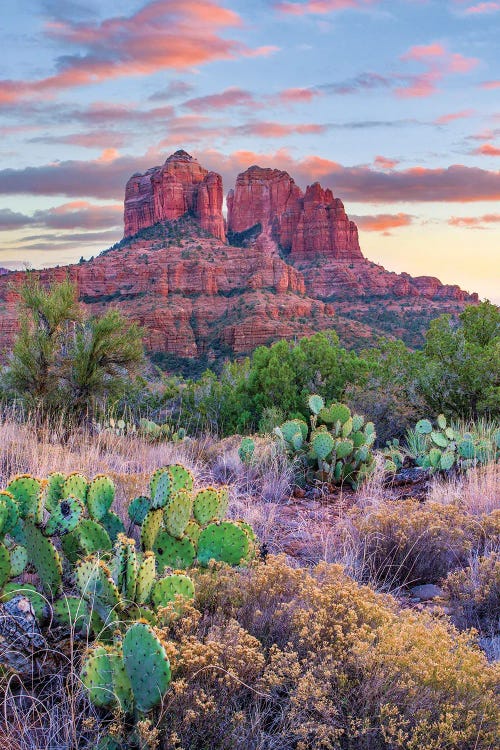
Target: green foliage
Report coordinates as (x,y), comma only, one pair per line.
(462,363)
(337,451)
(65,361)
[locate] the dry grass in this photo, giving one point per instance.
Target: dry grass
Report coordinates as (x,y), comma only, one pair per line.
(477,492)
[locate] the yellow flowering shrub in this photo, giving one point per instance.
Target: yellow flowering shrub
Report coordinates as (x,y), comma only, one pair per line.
(287,658)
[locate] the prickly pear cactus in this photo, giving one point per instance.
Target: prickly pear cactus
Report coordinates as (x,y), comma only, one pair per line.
(5,570)
(26,490)
(206,505)
(147,666)
(167,589)
(182,479)
(44,556)
(161,488)
(225,542)
(86,538)
(246,450)
(106,679)
(96,585)
(146,576)
(54,490)
(151,526)
(138,509)
(173,553)
(65,516)
(336,448)
(100,496)
(76,484)
(18,560)
(177,513)
(112,524)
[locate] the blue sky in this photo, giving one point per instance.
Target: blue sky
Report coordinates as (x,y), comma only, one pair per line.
(394,105)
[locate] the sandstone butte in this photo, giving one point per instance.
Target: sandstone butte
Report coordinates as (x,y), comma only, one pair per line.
(286,264)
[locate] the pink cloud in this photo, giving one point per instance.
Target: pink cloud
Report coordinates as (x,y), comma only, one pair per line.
(298,95)
(424,52)
(383,222)
(452,116)
(439,61)
(487,149)
(385,163)
(481,8)
(77,214)
(491,85)
(164,34)
(232,97)
(320,7)
(474,222)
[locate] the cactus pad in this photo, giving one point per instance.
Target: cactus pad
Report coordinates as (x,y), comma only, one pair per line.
(226,542)
(447,460)
(100,496)
(97,676)
(4,565)
(26,491)
(44,556)
(146,576)
(193,531)
(64,517)
(182,479)
(206,505)
(138,509)
(439,439)
(113,524)
(76,484)
(147,666)
(161,487)
(323,444)
(177,513)
(344,448)
(18,560)
(357,422)
(315,403)
(167,589)
(335,413)
(54,489)
(423,427)
(71,612)
(150,528)
(173,553)
(11,516)
(96,585)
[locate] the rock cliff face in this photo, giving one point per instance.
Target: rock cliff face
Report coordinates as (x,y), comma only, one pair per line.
(166,193)
(304,226)
(294,267)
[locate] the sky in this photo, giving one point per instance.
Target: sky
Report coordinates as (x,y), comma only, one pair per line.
(393,105)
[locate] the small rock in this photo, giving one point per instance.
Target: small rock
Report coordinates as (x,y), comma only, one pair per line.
(426,591)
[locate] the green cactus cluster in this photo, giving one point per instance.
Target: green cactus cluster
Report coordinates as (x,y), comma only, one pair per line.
(180,524)
(45,522)
(335,446)
(441,447)
(156,433)
(117,594)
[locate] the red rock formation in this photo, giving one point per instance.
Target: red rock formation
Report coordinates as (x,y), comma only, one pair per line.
(198,296)
(166,193)
(268,197)
(306,226)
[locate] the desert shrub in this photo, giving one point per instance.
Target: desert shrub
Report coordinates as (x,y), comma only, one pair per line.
(288,658)
(475,593)
(410,542)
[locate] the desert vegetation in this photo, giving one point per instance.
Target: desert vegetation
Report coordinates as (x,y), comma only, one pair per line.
(299,552)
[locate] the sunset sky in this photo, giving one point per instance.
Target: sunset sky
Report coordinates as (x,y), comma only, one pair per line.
(394,105)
